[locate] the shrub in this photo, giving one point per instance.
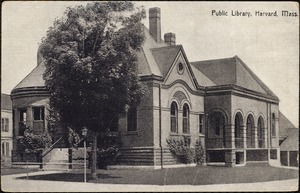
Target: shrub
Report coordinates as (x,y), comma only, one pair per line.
(199,153)
(180,147)
(33,143)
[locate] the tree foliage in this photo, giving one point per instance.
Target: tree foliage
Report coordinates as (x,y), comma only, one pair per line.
(91,65)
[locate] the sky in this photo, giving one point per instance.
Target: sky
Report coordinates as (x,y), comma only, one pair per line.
(269,45)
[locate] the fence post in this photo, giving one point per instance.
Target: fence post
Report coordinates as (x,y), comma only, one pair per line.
(27,169)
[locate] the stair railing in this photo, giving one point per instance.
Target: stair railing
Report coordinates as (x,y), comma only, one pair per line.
(50,148)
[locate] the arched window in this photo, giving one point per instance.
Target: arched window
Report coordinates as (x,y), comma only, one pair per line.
(186,119)
(216,130)
(132,119)
(250,132)
(273,131)
(174,117)
(260,132)
(238,128)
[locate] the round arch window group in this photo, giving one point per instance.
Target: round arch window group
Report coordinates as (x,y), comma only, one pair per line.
(253,139)
(185,118)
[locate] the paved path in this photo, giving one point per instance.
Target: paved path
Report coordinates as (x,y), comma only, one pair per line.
(11,184)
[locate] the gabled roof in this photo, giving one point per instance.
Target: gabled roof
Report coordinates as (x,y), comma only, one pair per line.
(284,125)
(147,64)
(201,78)
(165,56)
(291,143)
(6,103)
(232,71)
(34,78)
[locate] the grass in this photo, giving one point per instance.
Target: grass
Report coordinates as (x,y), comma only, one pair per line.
(10,171)
(179,176)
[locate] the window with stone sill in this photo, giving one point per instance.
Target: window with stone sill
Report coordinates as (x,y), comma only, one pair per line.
(2,149)
(186,119)
(273,128)
(4,124)
(132,120)
(7,148)
(201,123)
(38,113)
(174,118)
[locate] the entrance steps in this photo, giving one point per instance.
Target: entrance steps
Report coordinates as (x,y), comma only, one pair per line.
(58,159)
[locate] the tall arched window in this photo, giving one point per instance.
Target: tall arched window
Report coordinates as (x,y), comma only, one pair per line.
(174,117)
(250,132)
(260,132)
(132,119)
(186,119)
(238,128)
(216,130)
(273,131)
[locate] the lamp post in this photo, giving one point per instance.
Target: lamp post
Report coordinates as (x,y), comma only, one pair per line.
(84,133)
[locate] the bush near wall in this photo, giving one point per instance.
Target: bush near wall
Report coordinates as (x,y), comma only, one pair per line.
(181,148)
(33,143)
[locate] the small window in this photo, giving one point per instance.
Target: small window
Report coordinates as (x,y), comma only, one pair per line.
(273,131)
(5,124)
(185,120)
(38,113)
(23,115)
(201,123)
(2,149)
(180,68)
(2,124)
(7,149)
(132,119)
(174,117)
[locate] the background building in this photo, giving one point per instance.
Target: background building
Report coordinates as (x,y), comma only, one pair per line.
(289,142)
(6,128)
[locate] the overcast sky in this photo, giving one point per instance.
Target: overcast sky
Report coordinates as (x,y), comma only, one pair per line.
(268,45)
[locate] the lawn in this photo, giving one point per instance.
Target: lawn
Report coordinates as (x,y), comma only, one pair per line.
(178,176)
(9,171)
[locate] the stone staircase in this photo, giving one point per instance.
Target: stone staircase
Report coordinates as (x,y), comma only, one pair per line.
(145,156)
(136,156)
(56,159)
(168,157)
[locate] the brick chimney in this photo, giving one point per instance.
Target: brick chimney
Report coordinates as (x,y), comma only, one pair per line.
(154,23)
(170,39)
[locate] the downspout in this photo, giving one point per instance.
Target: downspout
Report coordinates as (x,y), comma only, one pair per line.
(268,127)
(160,134)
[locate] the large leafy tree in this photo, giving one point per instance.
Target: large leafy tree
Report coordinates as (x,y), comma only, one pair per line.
(91,65)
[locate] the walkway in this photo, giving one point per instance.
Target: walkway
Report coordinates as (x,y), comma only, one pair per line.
(11,184)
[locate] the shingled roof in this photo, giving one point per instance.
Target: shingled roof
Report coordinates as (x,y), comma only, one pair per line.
(165,56)
(284,125)
(232,71)
(34,78)
(291,143)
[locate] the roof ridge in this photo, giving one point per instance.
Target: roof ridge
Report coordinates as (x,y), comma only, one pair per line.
(167,46)
(213,60)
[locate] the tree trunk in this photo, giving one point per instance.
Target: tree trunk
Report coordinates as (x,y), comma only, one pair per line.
(94,156)
(70,152)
